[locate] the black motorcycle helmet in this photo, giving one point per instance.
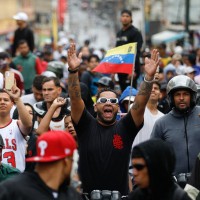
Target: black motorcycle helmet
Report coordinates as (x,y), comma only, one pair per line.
(56,67)
(181,82)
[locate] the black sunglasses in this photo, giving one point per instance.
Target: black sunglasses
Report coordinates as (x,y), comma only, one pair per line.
(104,100)
(139,166)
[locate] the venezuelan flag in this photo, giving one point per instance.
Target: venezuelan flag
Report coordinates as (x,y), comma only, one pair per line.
(118,60)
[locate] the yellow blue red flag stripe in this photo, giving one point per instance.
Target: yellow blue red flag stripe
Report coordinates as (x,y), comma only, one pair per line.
(118,60)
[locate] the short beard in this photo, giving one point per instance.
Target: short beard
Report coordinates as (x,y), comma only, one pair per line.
(101,119)
(183,111)
(24,54)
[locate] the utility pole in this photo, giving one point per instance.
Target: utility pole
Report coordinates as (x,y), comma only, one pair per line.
(187,15)
(187,22)
(142,9)
(54,19)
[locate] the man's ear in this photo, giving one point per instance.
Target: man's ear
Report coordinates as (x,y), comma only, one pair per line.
(68,160)
(59,90)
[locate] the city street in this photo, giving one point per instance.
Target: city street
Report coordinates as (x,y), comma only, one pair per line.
(86,24)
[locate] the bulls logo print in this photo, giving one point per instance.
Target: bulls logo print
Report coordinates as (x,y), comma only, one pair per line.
(42,145)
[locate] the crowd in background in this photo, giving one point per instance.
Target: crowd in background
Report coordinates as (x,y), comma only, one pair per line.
(42,77)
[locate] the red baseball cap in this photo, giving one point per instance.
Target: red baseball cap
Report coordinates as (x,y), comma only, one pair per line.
(52,146)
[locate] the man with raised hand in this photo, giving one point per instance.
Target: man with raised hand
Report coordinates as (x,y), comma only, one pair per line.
(12,131)
(104,143)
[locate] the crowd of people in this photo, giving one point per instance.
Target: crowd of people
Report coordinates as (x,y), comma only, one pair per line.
(67,131)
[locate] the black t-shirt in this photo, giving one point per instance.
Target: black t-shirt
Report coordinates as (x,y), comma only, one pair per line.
(31,151)
(29,186)
(23,34)
(130,35)
(104,153)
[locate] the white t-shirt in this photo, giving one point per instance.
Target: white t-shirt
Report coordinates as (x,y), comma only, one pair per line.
(1,80)
(14,151)
(145,132)
(149,121)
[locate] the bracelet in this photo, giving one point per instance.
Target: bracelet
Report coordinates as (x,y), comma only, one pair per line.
(145,80)
(73,70)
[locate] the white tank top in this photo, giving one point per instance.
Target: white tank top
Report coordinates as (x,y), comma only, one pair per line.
(14,150)
(58,125)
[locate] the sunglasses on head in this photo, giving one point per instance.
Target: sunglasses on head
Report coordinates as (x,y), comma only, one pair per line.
(139,166)
(104,100)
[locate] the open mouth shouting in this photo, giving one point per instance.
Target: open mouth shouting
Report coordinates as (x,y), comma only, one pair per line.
(108,112)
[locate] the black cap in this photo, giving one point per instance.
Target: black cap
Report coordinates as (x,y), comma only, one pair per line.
(163,85)
(105,81)
(4,55)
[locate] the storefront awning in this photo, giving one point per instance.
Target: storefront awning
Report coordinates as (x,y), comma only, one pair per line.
(167,37)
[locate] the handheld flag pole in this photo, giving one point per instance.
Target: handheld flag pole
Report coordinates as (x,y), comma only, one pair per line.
(133,69)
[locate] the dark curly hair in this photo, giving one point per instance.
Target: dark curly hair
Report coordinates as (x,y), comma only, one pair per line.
(106,90)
